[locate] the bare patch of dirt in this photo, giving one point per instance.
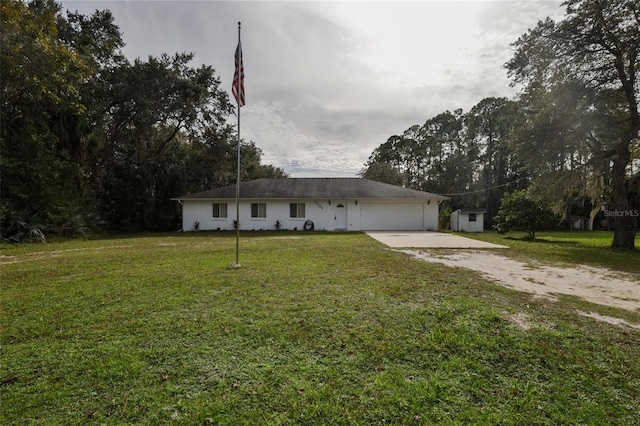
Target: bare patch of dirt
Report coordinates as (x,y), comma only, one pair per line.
(521,320)
(596,285)
(608,319)
(8,259)
(37,255)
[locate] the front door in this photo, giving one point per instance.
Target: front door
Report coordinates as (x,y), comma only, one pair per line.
(340,218)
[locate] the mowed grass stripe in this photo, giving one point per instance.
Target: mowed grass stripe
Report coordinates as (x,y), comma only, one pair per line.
(312,329)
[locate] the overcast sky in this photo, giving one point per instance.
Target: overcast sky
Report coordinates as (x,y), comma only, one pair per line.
(327,82)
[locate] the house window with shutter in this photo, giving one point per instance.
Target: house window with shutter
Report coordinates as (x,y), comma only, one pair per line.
(296,210)
(472,217)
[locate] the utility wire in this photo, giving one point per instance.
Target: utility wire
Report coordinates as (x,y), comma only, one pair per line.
(487,189)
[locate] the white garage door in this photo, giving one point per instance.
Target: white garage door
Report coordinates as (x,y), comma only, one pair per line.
(391,217)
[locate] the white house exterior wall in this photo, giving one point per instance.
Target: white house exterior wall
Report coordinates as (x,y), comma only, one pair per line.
(360,216)
(321,213)
(431,216)
(201,211)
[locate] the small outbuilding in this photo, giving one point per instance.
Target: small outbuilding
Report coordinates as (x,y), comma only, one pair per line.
(331,204)
(579,223)
(467,220)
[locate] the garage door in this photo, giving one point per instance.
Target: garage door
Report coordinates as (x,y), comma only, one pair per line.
(391,217)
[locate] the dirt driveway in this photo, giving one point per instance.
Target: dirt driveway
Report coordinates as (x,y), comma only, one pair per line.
(596,285)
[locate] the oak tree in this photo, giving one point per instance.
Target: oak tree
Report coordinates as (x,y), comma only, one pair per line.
(597,47)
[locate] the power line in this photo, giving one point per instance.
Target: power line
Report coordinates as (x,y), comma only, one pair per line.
(487,189)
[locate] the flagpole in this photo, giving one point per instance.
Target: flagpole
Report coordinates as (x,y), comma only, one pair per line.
(238,99)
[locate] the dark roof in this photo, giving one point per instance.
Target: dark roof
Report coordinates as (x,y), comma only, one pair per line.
(313,188)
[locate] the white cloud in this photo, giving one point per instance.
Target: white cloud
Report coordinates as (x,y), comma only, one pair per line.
(327,82)
(297,151)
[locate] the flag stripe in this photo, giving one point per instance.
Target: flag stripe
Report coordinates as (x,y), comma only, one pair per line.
(238,77)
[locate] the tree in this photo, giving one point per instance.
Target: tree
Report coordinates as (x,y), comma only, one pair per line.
(489,127)
(40,80)
(381,172)
(398,159)
(155,113)
(597,46)
(251,166)
(549,139)
(446,153)
(452,153)
(519,212)
(84,130)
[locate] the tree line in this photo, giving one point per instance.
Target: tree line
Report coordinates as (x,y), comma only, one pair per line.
(90,138)
(569,138)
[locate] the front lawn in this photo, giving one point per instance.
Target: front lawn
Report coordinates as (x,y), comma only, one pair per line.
(314,328)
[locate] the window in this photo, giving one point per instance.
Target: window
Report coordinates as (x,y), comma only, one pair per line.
(259,210)
(296,210)
(219,210)
(472,217)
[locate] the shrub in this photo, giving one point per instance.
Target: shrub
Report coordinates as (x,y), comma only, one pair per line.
(519,212)
(21,226)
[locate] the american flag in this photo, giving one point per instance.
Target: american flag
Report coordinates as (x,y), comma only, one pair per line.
(238,78)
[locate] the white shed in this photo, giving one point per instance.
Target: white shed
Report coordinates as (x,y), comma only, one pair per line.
(467,220)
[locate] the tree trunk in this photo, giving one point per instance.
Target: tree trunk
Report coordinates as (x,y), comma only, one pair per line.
(592,215)
(624,225)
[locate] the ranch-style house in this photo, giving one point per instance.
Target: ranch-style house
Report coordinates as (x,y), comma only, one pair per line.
(331,204)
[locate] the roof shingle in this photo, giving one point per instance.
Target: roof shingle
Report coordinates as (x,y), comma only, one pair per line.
(314,188)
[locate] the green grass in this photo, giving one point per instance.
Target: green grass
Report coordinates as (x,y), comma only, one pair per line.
(312,329)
